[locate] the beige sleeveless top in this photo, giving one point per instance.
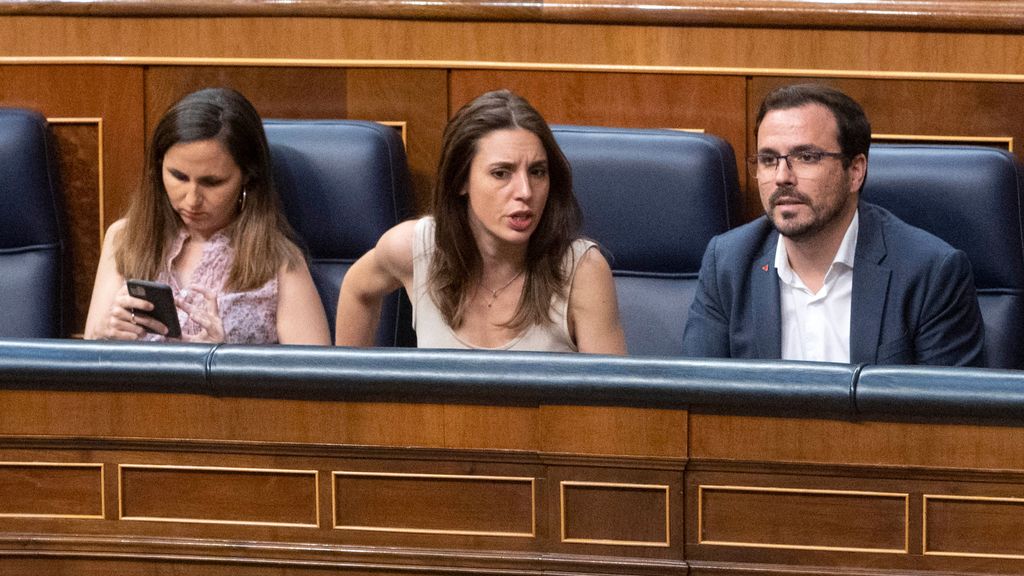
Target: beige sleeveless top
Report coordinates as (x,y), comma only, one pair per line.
(433,332)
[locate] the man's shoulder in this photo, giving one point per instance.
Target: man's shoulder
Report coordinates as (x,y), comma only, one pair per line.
(749,238)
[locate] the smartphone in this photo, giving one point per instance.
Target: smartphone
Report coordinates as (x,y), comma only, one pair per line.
(163,304)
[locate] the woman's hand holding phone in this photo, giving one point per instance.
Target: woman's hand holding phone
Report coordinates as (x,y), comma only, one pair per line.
(152,307)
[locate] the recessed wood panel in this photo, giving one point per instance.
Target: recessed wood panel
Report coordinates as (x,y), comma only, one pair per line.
(974,526)
(51,490)
(80,152)
(615,514)
(435,503)
(218,495)
(802,519)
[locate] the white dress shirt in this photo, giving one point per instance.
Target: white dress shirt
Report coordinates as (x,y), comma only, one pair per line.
(816,326)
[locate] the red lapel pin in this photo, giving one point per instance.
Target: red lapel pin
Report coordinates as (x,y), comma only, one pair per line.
(765,267)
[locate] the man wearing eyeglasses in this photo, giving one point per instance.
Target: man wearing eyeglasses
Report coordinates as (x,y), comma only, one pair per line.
(824,276)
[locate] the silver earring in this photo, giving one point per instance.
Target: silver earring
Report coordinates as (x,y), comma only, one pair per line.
(241,200)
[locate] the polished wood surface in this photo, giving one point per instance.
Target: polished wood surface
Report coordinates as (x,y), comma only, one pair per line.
(128,478)
(309,485)
(955,15)
(341,42)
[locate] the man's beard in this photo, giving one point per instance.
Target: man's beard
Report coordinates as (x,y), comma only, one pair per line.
(821,214)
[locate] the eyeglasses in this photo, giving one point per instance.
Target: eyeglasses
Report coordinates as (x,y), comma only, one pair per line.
(803,164)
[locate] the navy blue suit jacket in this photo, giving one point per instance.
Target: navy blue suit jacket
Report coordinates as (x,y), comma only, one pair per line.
(914,300)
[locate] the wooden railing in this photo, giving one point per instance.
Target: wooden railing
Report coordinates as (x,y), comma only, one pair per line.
(136,459)
(933,15)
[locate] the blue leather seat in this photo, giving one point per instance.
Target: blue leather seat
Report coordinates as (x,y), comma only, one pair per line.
(343,184)
(35,276)
(969,196)
(652,199)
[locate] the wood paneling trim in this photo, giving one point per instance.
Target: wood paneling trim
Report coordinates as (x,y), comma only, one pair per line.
(1000,142)
(953,15)
(185,555)
(428,64)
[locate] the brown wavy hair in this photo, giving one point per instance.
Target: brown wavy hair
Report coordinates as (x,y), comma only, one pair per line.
(260,233)
(456,266)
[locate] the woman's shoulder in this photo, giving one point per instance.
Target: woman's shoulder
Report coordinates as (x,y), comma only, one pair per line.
(114,231)
(585,252)
(396,247)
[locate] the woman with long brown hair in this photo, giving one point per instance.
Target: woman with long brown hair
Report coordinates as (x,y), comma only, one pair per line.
(499,264)
(207,221)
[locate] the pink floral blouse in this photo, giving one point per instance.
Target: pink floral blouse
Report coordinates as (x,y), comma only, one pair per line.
(248,317)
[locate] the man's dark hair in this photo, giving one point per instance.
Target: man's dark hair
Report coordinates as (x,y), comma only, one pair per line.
(854,128)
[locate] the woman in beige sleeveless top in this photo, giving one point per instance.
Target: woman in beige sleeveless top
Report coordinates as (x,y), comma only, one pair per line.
(499,263)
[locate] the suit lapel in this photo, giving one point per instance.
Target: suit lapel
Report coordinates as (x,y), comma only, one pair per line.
(870,289)
(765,297)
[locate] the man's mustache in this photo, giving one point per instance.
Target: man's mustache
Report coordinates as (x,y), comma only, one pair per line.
(788,192)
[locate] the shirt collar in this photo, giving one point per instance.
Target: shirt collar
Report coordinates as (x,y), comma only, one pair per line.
(844,255)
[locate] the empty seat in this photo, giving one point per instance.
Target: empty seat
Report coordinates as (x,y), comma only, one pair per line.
(35,278)
(969,196)
(652,199)
(343,184)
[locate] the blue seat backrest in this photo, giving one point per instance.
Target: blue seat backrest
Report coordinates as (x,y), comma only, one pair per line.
(970,196)
(35,276)
(343,184)
(652,199)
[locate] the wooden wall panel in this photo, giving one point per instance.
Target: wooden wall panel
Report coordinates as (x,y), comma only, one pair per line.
(189,494)
(769,517)
(708,103)
(616,513)
(51,490)
(275,92)
(959,525)
(636,511)
(774,49)
(436,504)
(602,430)
(754,438)
(417,97)
(84,99)
(80,149)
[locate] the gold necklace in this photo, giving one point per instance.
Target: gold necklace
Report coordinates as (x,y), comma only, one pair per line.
(494,293)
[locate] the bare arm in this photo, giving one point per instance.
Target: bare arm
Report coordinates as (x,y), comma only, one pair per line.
(382,270)
(300,312)
(594,308)
(111,308)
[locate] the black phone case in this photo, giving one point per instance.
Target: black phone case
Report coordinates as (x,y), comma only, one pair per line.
(163,304)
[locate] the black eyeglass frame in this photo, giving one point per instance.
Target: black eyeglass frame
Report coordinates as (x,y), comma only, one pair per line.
(754,161)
